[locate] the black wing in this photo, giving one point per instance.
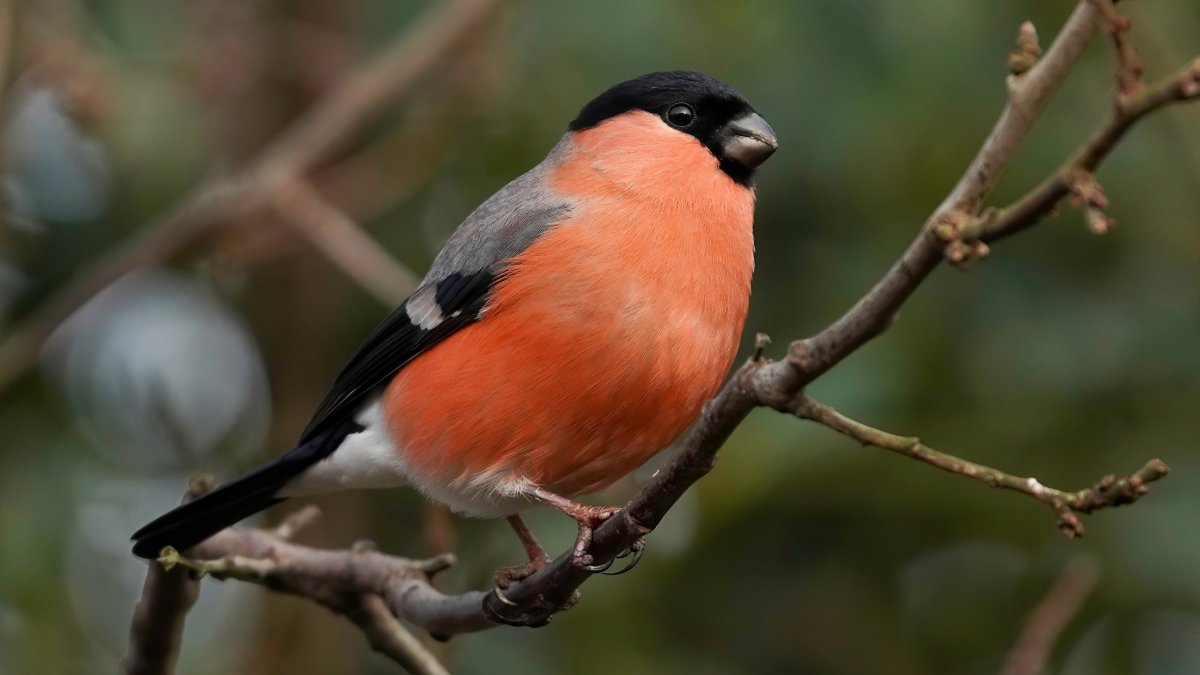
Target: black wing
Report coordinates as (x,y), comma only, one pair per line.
(459,298)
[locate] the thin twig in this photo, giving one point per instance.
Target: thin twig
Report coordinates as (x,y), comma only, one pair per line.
(297,521)
(1129,65)
(1050,617)
(1029,209)
(1106,493)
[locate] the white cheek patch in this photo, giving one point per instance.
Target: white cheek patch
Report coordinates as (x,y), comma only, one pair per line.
(423,310)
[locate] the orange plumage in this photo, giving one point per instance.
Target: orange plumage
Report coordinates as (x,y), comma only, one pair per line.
(604,338)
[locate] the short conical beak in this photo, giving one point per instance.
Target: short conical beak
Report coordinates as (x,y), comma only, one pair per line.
(748,140)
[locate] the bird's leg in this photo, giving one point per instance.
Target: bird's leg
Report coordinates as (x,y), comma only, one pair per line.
(537,555)
(588,517)
(532,548)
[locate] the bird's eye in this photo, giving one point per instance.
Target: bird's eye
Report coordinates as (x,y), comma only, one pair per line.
(681,115)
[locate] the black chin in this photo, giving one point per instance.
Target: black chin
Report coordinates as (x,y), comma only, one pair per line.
(740,173)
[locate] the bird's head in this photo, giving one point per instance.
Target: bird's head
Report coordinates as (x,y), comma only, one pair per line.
(669,106)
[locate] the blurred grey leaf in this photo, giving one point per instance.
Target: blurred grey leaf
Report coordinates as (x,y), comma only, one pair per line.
(160,373)
(104,581)
(53,171)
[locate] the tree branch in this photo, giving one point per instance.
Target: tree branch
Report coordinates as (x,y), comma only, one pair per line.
(336,578)
(366,587)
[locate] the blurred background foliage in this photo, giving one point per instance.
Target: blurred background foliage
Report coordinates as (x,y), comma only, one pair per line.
(1064,355)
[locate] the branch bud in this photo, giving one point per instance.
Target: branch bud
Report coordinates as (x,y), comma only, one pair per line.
(1028,49)
(945,231)
(1087,194)
(956,252)
(979,249)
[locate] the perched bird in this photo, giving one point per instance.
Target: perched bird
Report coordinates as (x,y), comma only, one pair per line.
(571,327)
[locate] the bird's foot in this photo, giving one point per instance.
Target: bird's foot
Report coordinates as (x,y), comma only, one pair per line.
(507,576)
(588,518)
(538,559)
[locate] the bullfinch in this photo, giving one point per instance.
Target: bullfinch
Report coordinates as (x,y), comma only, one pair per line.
(571,327)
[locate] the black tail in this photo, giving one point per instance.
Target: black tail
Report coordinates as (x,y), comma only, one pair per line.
(192,523)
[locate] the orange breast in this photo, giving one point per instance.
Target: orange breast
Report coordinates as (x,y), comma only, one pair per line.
(606,336)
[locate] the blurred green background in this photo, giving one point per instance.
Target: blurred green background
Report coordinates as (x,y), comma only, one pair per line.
(1064,355)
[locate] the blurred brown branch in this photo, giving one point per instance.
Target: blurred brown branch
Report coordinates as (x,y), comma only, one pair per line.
(955,232)
(429,43)
(343,242)
(1050,617)
(7,30)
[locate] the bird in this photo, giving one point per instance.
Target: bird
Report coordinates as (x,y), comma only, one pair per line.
(568,330)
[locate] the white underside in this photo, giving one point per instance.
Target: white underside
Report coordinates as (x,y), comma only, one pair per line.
(369,459)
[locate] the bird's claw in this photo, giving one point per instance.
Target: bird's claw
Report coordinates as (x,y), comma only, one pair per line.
(501,597)
(508,576)
(528,614)
(634,550)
